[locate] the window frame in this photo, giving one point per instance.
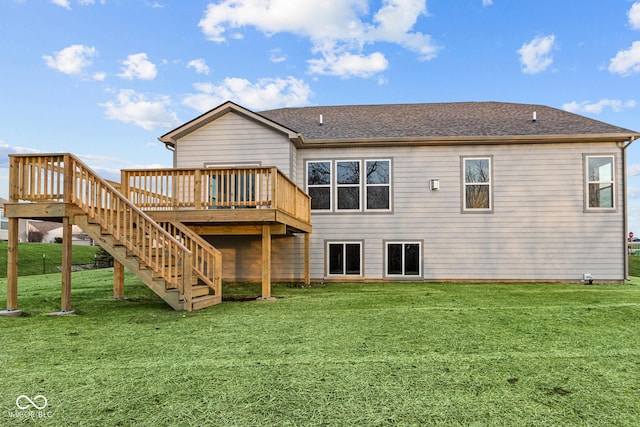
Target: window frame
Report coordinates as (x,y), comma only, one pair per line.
(338,186)
(463,190)
(404,274)
(344,244)
(588,182)
(366,186)
(362,186)
(4,221)
(330,185)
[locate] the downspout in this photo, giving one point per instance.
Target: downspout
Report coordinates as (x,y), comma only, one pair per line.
(625,209)
(171,148)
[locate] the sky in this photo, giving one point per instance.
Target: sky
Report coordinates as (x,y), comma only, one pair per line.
(103,79)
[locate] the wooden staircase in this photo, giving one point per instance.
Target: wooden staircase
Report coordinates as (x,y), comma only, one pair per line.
(177,264)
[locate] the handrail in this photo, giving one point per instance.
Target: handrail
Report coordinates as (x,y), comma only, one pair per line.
(207,260)
(215,188)
(64,178)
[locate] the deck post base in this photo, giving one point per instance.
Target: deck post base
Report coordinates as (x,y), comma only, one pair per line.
(11,313)
(267,299)
(62,313)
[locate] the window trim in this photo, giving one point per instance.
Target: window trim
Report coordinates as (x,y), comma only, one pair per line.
(330,185)
(587,181)
(365,198)
(336,186)
(403,276)
(463,186)
(4,221)
(344,243)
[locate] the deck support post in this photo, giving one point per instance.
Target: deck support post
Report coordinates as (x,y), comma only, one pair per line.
(67,235)
(307,259)
(266,261)
(118,280)
(12,270)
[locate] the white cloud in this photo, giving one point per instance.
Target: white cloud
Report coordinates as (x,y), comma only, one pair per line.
(597,107)
(487,2)
(626,62)
(199,65)
(349,65)
(138,66)
(535,56)
(336,28)
(132,107)
(62,3)
(72,59)
(6,149)
(634,16)
(265,94)
(99,76)
(634,170)
(67,4)
(276,56)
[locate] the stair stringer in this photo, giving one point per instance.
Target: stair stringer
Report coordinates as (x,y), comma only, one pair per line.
(131,262)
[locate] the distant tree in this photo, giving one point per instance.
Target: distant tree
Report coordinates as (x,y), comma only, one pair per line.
(35,236)
(103,259)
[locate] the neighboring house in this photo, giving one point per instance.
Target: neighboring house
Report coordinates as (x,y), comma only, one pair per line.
(52,232)
(23,225)
(477,191)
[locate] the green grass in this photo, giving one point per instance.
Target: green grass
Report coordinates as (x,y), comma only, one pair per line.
(31,260)
(634,265)
(332,355)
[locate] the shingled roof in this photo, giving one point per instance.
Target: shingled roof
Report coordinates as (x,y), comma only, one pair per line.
(440,120)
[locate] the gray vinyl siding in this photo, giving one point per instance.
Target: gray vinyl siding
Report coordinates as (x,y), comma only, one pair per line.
(538,229)
(234,139)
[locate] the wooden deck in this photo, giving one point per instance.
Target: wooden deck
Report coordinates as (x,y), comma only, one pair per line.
(166,208)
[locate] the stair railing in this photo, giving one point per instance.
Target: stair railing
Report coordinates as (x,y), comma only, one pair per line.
(207,260)
(64,178)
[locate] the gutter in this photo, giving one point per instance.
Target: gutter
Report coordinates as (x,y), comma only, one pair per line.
(465,140)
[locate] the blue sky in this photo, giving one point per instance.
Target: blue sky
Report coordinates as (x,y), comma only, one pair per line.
(104,78)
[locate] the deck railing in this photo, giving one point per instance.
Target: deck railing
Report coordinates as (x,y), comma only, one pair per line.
(215,188)
(64,178)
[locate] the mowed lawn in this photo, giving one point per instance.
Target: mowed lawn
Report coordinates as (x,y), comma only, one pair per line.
(329,355)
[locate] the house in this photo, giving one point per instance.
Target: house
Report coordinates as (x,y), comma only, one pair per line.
(51,232)
(471,191)
(4,225)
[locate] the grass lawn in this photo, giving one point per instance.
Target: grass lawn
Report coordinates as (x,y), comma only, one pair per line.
(31,260)
(334,355)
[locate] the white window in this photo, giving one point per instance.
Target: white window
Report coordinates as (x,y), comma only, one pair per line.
(378,184)
(319,185)
(403,259)
(344,258)
(600,183)
(477,191)
(349,185)
(4,221)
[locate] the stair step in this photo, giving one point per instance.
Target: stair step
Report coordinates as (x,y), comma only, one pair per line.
(199,291)
(206,301)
